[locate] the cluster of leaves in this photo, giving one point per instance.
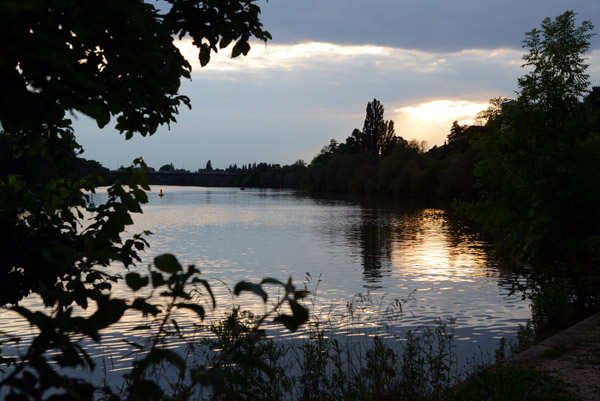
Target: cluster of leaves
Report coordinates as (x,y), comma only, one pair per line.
(538,173)
(107,60)
(49,251)
(34,376)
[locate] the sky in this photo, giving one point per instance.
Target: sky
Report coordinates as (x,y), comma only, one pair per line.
(429,62)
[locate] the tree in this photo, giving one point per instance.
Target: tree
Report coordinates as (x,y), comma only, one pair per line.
(110,60)
(208,166)
(456,132)
(558,81)
(538,171)
(167,168)
(377,135)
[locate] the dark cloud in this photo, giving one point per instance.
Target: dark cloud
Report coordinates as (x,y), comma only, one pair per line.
(432,25)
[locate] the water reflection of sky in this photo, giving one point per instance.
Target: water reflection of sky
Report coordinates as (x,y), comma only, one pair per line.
(338,249)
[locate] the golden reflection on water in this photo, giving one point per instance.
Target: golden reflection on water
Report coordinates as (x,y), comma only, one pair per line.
(430,250)
(336,248)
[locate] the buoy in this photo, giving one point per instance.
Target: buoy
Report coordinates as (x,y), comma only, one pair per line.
(161,193)
(91,207)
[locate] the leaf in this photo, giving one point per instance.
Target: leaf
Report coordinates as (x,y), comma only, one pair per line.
(157,279)
(167,263)
(288,321)
(64,192)
(196,308)
(224,42)
(301,294)
(159,355)
(144,307)
(135,281)
(247,286)
(102,118)
(208,288)
(204,55)
(270,280)
(236,51)
(12,179)
(300,312)
(109,312)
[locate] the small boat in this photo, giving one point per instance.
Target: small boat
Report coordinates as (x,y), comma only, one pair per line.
(242,188)
(161,193)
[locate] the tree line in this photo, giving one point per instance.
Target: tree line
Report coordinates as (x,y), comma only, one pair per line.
(374,161)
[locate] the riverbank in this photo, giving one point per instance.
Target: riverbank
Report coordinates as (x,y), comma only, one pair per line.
(573,356)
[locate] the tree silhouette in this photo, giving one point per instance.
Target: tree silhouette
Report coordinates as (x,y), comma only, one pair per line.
(167,168)
(456,132)
(538,161)
(377,136)
(109,60)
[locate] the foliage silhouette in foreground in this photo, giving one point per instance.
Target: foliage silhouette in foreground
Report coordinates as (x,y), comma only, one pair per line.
(109,60)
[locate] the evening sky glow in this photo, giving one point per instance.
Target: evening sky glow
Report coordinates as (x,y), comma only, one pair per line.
(428,64)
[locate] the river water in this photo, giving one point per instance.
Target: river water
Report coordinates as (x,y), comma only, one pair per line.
(366,254)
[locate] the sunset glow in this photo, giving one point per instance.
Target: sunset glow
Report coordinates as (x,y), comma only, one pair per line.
(446,110)
(431,121)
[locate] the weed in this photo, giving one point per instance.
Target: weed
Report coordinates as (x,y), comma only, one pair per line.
(508,383)
(589,358)
(557,350)
(363,363)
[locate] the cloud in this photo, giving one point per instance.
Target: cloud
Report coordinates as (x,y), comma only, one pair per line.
(309,82)
(430,25)
(308,55)
(284,102)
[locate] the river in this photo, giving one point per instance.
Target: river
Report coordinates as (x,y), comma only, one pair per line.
(366,254)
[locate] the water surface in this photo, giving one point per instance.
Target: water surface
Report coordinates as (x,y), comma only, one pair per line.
(368,254)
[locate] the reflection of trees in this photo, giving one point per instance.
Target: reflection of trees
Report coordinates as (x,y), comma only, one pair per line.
(389,237)
(461,233)
(367,230)
(374,239)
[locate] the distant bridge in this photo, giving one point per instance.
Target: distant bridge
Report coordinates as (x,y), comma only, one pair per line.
(213,177)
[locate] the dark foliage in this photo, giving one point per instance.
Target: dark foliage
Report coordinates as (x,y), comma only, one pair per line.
(108,60)
(399,168)
(538,171)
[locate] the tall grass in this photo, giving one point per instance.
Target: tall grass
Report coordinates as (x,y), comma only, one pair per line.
(360,363)
(320,363)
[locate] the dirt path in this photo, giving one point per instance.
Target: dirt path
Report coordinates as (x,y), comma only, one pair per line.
(572,355)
